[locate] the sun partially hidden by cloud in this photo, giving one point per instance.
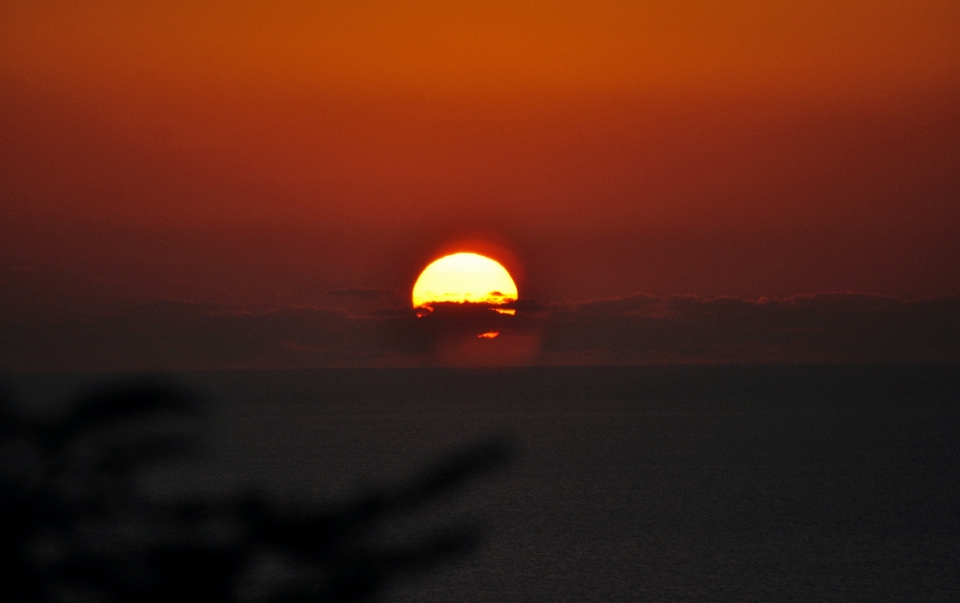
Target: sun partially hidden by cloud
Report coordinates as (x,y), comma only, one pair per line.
(464,277)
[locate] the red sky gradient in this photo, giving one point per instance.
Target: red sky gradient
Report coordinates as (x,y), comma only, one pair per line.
(265,154)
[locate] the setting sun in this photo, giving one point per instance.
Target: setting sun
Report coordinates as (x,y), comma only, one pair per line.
(464,277)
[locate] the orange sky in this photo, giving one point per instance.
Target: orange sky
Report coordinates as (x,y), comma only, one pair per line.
(266,153)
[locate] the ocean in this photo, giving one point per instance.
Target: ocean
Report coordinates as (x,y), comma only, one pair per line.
(689,483)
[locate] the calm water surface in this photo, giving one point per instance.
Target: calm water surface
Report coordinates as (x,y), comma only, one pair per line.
(631,484)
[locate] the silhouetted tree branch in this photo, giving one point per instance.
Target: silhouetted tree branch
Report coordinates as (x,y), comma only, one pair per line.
(75,527)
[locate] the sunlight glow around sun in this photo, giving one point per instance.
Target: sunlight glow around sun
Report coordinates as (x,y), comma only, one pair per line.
(464,277)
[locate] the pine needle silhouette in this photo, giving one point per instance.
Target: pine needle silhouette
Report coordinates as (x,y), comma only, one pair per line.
(75,528)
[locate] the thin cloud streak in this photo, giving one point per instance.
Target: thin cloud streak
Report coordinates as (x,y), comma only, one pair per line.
(361,293)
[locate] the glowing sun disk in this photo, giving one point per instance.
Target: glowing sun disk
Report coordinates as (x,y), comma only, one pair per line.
(464,277)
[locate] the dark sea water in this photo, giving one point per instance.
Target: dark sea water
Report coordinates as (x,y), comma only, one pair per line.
(803,483)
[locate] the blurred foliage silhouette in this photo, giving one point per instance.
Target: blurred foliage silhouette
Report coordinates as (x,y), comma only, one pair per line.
(75,527)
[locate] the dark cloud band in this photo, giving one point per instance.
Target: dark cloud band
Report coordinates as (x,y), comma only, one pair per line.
(642,329)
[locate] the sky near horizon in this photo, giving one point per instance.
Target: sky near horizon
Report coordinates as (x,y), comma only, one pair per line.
(259,156)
